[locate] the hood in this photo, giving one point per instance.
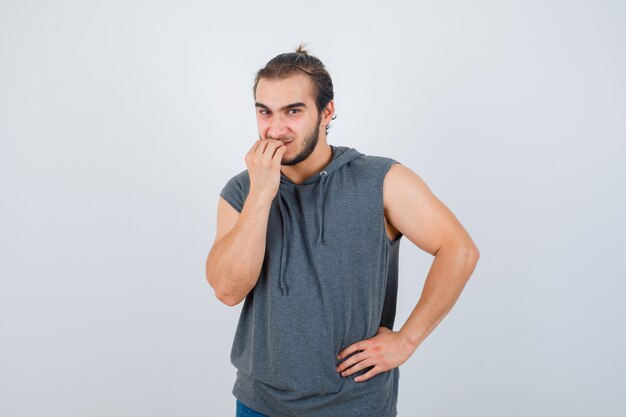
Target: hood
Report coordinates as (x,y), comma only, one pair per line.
(341,156)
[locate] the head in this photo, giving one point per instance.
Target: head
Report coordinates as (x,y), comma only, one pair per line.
(293,96)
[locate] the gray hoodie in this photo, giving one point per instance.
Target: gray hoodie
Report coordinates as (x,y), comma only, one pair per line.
(329,279)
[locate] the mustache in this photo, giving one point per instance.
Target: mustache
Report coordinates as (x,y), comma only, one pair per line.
(280,139)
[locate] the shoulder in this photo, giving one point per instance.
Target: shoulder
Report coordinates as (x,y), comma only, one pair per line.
(400,179)
(405,193)
(377,164)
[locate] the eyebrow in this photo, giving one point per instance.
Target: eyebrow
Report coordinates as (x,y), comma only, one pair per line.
(287,107)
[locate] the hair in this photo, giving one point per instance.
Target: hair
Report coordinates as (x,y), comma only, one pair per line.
(287,64)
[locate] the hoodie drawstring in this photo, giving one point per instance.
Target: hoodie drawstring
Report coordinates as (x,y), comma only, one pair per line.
(320,207)
(341,157)
(283,213)
(283,255)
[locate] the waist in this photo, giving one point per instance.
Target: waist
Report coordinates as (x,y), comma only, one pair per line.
(305,396)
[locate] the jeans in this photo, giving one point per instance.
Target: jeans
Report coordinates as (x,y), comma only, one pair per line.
(244,411)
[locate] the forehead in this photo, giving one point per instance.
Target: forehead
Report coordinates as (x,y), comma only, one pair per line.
(276,93)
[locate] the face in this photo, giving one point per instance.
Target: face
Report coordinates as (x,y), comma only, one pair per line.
(286,111)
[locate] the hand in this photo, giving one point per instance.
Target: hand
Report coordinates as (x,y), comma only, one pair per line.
(263,161)
(385,351)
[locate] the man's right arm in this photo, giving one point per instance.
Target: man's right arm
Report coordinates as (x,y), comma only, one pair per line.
(235,260)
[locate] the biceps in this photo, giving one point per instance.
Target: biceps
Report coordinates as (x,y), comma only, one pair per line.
(413,209)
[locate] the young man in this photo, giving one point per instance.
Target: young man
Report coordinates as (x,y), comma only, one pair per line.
(309,236)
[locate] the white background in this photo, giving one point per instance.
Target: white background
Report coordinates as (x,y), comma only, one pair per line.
(120,121)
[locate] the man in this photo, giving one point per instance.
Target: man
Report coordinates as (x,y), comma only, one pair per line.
(309,236)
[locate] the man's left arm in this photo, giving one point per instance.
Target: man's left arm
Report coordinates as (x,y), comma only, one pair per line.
(418,214)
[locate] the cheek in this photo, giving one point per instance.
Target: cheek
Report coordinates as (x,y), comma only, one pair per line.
(300,126)
(262,125)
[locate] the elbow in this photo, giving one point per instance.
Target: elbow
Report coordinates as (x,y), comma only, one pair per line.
(465,251)
(221,288)
(466,255)
(225,297)
(469,251)
(221,294)
(229,301)
(474,254)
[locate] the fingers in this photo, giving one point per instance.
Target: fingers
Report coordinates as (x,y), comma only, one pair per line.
(253,149)
(352,348)
(351,361)
(278,156)
(266,152)
(270,150)
(367,375)
(358,367)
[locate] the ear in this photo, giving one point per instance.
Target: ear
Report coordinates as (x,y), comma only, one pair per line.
(328,112)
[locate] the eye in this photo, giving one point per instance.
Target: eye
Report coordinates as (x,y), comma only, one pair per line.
(296,110)
(263,112)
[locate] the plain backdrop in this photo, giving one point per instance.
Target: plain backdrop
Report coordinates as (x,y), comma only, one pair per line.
(120,121)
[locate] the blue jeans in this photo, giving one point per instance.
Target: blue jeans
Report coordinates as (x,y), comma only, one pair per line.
(244,411)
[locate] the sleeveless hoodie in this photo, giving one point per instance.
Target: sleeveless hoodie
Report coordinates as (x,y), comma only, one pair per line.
(329,279)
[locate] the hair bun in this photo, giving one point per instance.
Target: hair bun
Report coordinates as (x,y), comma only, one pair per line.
(301,49)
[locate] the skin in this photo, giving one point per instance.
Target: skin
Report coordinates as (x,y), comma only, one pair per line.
(410,208)
(309,151)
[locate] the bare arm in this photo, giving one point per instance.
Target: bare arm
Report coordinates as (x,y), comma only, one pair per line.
(235,260)
(417,213)
(413,209)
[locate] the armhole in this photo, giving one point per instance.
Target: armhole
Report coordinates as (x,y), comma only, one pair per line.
(232,192)
(232,203)
(386,169)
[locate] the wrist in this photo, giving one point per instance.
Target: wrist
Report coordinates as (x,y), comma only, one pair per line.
(258,201)
(410,338)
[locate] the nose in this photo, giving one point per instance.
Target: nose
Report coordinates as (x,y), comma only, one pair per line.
(277,128)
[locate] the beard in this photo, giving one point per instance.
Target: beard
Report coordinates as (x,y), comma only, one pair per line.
(310,142)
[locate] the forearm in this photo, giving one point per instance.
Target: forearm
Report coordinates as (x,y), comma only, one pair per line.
(446,279)
(234,263)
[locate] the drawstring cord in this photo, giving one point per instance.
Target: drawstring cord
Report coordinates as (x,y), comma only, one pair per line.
(283,255)
(320,207)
